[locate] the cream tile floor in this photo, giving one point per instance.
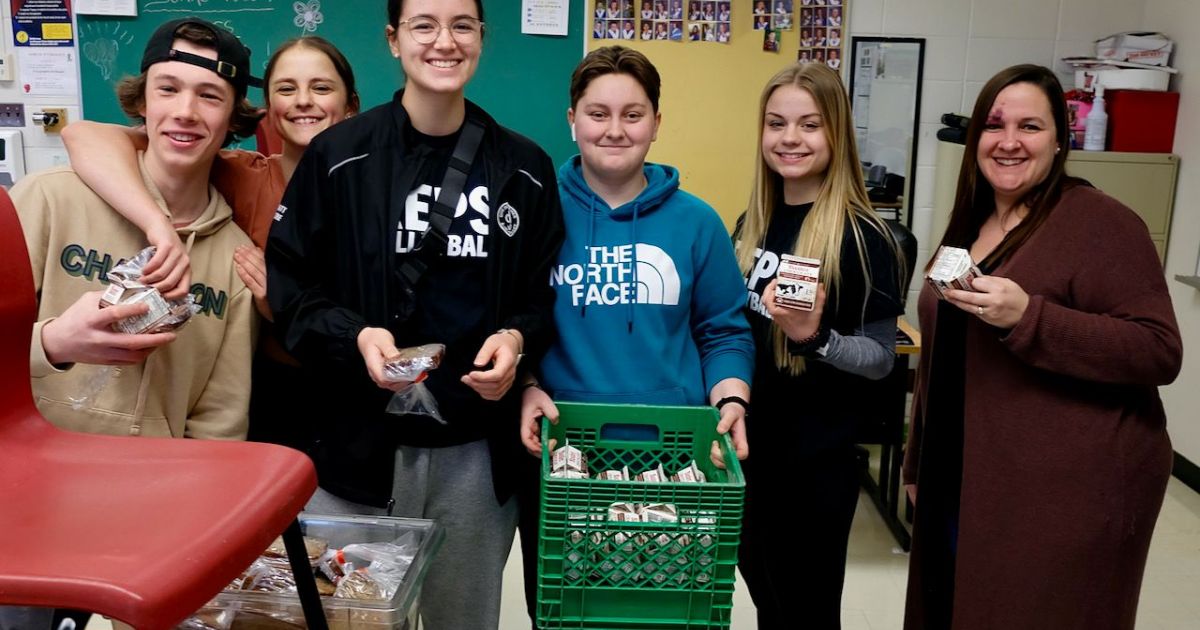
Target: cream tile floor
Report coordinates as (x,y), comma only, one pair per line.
(877,570)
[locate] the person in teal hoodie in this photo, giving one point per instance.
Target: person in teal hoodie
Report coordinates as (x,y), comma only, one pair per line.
(649,297)
(648,291)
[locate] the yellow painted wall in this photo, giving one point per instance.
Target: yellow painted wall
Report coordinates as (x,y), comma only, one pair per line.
(709,107)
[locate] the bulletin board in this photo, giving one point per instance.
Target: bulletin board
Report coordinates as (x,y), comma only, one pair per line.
(522,80)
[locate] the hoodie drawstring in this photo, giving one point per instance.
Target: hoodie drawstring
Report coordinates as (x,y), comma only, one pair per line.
(139,407)
(633,241)
(587,251)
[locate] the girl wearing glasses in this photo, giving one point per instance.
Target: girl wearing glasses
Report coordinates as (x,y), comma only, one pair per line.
(344,260)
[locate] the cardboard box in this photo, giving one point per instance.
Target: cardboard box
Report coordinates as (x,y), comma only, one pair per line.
(1146,47)
(1141,121)
(1122,79)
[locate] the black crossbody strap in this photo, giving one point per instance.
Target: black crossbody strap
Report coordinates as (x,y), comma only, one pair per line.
(434,240)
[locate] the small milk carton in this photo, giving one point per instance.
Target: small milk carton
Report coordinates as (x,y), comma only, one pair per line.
(796,285)
(952,269)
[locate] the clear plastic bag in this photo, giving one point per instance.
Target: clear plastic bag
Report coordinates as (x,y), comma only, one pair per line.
(385,565)
(125,287)
(270,575)
(208,618)
(411,366)
(93,385)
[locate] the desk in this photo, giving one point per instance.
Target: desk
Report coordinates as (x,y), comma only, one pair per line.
(883,424)
(909,341)
(889,209)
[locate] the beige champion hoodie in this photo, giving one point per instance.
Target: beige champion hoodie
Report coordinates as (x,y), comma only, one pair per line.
(198,386)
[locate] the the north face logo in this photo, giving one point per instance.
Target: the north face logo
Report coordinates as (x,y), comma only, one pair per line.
(508,219)
(608,276)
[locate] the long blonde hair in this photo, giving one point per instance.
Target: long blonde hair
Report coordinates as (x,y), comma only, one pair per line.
(842,196)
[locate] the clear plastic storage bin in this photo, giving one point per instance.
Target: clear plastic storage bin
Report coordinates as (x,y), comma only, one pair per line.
(245,610)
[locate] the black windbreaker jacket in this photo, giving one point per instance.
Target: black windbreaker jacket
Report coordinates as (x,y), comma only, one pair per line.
(333,270)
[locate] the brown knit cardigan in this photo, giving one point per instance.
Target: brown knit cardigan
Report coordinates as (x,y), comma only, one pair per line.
(1065,450)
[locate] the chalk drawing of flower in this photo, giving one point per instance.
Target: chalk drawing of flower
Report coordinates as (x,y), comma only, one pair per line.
(308,15)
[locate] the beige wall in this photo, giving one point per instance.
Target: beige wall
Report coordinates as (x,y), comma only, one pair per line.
(1180,19)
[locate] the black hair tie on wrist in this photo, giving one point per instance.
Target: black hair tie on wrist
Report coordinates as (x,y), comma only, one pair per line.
(734,399)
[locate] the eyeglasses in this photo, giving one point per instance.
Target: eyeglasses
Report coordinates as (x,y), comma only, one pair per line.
(425,30)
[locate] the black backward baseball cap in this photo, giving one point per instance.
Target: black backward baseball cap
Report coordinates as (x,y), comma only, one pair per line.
(233,57)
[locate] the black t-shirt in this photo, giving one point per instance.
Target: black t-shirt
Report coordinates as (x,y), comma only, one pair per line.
(449,297)
(815,411)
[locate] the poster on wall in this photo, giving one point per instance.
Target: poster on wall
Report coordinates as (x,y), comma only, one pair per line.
(821,28)
(127,8)
(42,23)
(544,17)
(48,71)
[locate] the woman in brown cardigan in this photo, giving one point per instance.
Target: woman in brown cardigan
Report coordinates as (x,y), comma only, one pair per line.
(1038,442)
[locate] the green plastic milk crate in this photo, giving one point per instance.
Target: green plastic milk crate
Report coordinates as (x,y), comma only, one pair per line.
(593,573)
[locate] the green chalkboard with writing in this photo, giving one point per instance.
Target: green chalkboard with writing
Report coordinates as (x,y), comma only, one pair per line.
(522,79)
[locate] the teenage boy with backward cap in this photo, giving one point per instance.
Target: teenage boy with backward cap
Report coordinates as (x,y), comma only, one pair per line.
(191,96)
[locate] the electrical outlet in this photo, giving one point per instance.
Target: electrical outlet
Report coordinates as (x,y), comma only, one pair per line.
(12,114)
(52,119)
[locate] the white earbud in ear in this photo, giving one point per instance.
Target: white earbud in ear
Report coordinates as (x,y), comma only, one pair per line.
(572,132)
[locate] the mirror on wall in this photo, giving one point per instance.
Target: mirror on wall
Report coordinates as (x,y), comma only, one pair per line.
(885,94)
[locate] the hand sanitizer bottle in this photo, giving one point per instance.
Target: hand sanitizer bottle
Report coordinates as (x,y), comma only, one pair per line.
(1097,123)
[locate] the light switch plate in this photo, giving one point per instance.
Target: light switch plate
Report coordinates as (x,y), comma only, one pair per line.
(12,114)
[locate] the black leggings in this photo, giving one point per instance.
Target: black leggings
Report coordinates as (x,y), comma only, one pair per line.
(794,566)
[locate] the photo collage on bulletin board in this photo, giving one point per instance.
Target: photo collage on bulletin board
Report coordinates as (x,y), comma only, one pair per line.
(710,21)
(666,20)
(821,31)
(771,17)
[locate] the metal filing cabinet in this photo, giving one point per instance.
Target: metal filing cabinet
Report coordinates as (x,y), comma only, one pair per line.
(1143,181)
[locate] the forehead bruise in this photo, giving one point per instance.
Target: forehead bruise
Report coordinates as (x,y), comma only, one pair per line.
(996,115)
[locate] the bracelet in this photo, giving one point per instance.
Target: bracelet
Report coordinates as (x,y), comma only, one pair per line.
(809,346)
(809,339)
(520,342)
(734,399)
(525,386)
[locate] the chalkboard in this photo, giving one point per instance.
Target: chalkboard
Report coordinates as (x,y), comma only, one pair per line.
(522,80)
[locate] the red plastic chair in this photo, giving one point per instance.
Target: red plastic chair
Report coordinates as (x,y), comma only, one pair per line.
(139,529)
